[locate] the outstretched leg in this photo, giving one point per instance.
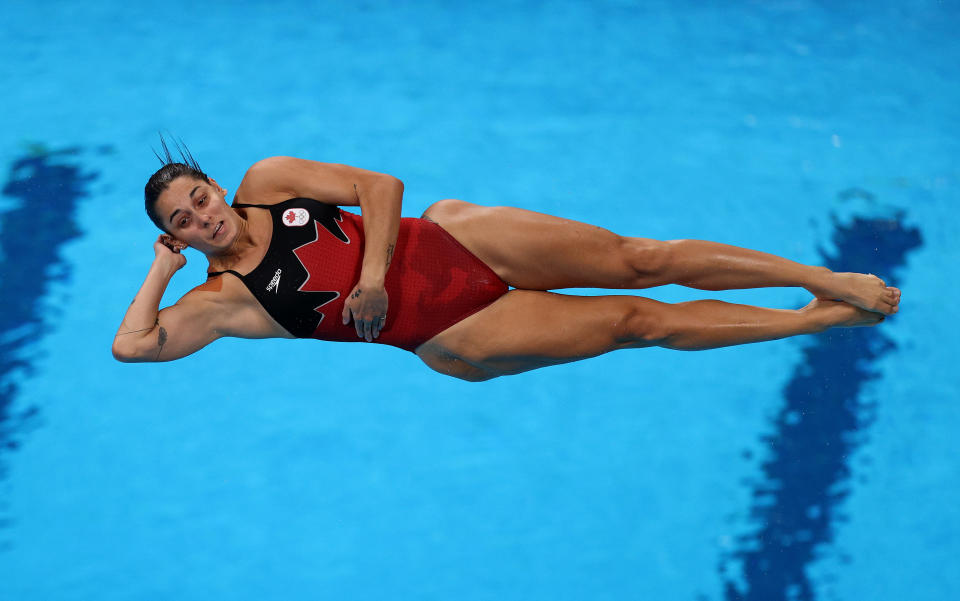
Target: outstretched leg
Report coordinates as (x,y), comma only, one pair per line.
(714,266)
(534,251)
(527,329)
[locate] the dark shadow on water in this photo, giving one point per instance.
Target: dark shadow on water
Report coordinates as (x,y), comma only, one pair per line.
(46,187)
(805,476)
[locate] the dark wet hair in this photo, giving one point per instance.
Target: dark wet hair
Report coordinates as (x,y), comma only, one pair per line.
(170,171)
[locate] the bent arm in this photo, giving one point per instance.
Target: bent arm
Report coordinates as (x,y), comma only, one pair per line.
(147,334)
(380,208)
(378,195)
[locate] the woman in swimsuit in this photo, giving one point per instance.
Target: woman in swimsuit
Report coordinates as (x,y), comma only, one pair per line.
(438,285)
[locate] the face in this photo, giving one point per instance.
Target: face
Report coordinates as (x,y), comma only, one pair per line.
(197,214)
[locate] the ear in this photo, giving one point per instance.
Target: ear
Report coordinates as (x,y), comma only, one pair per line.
(174,243)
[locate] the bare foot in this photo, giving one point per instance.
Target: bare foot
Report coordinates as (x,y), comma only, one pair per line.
(838,314)
(863,290)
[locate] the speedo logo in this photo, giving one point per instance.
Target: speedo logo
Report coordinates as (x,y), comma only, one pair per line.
(275,282)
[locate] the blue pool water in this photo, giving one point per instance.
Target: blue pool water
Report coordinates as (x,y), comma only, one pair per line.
(816,468)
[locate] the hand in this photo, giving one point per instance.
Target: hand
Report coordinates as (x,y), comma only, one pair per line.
(368,306)
(167,249)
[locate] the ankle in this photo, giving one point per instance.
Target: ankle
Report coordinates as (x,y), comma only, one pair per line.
(819,316)
(818,280)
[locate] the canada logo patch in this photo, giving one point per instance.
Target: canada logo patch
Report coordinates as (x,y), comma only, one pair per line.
(295,217)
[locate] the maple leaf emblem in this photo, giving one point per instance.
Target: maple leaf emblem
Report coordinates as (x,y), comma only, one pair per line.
(304,252)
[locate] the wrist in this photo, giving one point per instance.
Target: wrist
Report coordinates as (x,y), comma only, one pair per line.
(371,281)
(165,266)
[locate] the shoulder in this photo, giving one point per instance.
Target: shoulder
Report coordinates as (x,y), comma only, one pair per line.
(266,182)
(212,297)
(278,178)
(224,304)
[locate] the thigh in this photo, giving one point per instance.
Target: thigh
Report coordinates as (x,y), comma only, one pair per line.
(527,329)
(536,251)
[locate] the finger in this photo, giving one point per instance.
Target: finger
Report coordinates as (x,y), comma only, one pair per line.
(368,330)
(357,325)
(346,315)
(376,327)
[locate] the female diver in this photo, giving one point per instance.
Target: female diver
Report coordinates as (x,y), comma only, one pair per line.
(286,262)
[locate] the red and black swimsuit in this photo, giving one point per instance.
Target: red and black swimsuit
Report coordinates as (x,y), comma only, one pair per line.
(314,261)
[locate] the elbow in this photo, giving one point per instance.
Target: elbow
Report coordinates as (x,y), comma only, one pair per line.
(389,182)
(124,353)
(396,188)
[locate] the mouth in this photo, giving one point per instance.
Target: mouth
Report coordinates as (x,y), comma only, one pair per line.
(217,230)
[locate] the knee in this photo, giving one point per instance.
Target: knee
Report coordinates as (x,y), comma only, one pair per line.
(443,361)
(646,323)
(647,258)
(444,209)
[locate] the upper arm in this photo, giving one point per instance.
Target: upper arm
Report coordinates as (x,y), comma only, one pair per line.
(278,178)
(181,329)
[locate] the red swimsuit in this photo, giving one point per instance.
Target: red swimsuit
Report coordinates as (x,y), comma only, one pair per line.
(314,261)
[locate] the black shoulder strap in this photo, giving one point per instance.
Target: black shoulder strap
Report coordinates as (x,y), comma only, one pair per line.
(210,274)
(243,205)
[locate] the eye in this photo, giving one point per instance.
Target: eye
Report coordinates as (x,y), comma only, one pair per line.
(202,201)
(183,222)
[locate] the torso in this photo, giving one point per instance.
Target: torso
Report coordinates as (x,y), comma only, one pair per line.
(252,320)
(433,282)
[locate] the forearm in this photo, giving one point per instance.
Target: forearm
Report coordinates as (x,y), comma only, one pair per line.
(140,320)
(380,207)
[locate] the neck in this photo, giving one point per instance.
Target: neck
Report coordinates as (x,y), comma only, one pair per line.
(232,255)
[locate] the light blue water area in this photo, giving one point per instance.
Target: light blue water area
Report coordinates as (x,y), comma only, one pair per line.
(820,468)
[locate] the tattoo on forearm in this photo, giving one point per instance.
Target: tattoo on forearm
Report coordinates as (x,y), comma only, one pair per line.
(389,254)
(161,340)
(356,192)
(357,293)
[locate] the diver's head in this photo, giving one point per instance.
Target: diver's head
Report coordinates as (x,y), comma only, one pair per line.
(160,183)
(161,179)
(195,212)
(184,202)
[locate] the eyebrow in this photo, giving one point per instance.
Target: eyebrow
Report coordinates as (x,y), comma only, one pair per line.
(174,214)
